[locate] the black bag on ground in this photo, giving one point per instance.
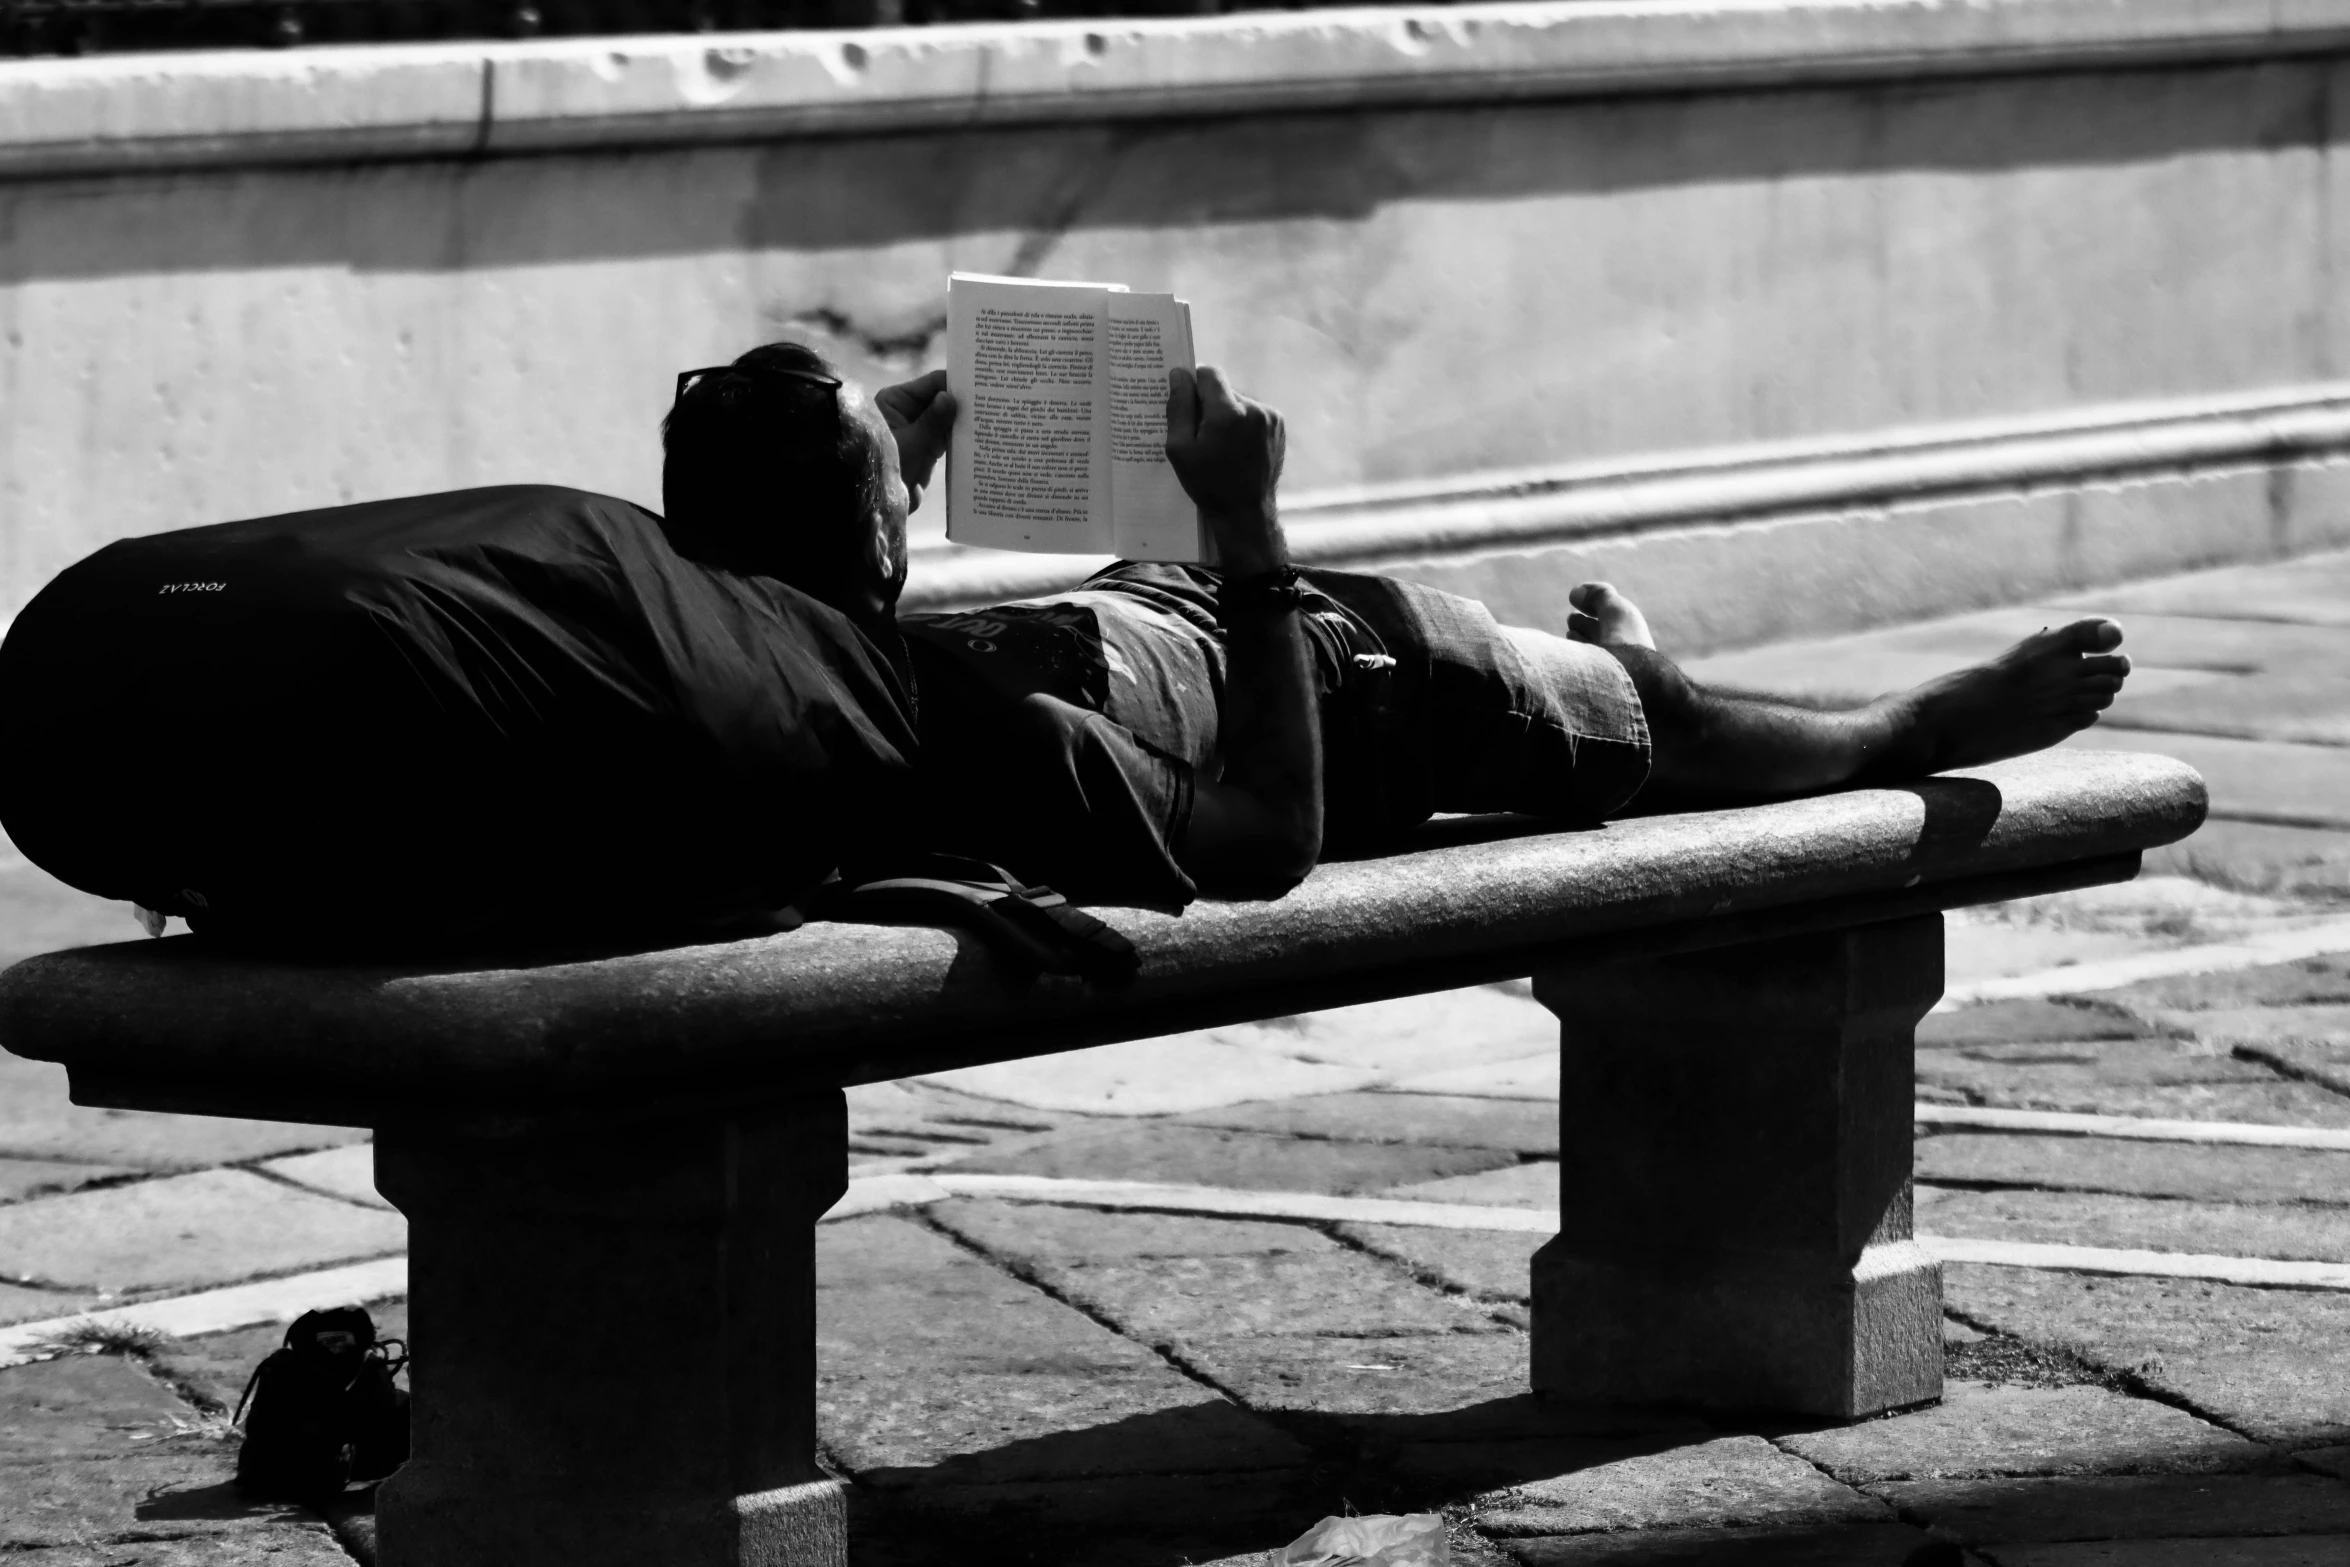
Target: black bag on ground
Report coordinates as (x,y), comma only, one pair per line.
(324,1410)
(497,712)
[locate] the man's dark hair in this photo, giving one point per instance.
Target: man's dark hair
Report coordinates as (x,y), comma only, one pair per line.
(762,473)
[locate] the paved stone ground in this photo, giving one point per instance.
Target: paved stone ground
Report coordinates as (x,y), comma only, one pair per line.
(1060,1385)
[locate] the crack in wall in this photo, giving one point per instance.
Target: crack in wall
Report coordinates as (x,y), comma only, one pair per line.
(889,347)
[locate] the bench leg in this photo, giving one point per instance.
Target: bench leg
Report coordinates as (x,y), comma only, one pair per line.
(1734,1136)
(615,1338)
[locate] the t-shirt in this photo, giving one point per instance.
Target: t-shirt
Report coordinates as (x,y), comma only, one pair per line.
(1062,736)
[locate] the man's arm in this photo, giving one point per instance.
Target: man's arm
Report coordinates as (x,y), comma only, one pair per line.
(1260,825)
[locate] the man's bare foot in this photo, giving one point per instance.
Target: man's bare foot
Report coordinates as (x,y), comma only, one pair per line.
(2028,698)
(1596,612)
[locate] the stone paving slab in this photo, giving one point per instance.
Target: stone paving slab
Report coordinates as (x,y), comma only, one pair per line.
(276,1544)
(1119,1521)
(1525,1077)
(1211,1156)
(177,1488)
(1153,1077)
(1167,1278)
(1473,1026)
(1565,1487)
(2099,1507)
(83,1406)
(39,1120)
(23,1178)
(1514,1126)
(2334,1461)
(1391,1387)
(98,1449)
(2201,1172)
(2309,1043)
(2158,1079)
(2290,1233)
(1851,1545)
(2310,706)
(1335,1051)
(924,1121)
(1981,1429)
(2121,920)
(1489,1265)
(2030,1020)
(2324,1023)
(2305,1551)
(2268,1363)
(937,1368)
(2270,780)
(2261,857)
(348,1173)
(2303,982)
(212,1227)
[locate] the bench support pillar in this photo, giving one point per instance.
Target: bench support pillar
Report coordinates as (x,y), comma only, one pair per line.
(1735,1148)
(615,1335)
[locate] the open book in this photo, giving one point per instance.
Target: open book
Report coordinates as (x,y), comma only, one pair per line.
(1060,440)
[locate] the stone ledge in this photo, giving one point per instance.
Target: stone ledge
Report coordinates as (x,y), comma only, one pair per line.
(370,103)
(1387,525)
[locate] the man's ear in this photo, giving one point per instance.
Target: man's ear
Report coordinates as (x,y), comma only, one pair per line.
(885,554)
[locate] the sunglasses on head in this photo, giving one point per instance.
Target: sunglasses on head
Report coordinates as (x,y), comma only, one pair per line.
(687,379)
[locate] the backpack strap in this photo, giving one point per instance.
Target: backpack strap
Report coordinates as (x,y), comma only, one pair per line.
(1033,928)
(249,1381)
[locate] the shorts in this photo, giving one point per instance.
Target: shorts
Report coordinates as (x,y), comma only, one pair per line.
(1470,715)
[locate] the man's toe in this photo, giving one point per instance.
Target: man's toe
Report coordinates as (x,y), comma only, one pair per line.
(2093,636)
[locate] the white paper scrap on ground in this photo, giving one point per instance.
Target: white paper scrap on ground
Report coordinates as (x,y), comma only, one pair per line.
(1370,1540)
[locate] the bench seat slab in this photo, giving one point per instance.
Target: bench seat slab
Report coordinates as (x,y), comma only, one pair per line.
(614,1326)
(1734,1145)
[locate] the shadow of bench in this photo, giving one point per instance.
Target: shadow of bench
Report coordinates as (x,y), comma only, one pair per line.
(612,1168)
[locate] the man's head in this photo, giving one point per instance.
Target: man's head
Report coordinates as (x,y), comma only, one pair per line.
(779,467)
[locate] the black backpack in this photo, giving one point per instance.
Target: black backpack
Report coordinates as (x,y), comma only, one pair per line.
(325,1410)
(443,719)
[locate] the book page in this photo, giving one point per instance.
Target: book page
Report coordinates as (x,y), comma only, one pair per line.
(1028,467)
(1145,336)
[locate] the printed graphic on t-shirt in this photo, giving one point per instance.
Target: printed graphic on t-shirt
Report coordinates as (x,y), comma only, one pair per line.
(1056,648)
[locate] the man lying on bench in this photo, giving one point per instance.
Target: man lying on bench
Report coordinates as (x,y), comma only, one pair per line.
(1164,728)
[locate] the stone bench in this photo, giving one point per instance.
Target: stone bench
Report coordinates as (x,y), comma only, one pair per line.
(612,1169)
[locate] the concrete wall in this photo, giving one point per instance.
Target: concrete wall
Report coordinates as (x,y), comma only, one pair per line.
(1786,316)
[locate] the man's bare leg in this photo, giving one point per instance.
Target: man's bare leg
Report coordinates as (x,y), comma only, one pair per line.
(1708,744)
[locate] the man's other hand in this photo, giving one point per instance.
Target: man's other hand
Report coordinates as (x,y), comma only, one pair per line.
(1228,451)
(921,414)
